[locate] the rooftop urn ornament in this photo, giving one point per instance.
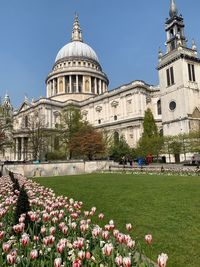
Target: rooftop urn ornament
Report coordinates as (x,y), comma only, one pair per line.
(160,53)
(173,9)
(194,46)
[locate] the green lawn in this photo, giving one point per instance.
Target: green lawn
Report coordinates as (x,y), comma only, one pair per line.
(168,207)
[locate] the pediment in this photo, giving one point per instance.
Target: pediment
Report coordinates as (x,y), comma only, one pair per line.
(196,113)
(25,105)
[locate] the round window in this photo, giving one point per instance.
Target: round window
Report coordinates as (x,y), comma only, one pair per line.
(172,105)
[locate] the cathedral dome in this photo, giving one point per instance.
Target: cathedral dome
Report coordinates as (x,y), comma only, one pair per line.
(77,49)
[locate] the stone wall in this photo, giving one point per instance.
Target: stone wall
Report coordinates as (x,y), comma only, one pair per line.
(57,168)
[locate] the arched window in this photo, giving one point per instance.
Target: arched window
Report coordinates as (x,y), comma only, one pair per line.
(26,121)
(116,138)
(159,111)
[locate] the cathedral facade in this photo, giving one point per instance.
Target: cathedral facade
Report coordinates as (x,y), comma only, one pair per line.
(77,79)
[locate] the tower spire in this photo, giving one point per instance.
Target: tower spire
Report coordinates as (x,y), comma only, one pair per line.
(173,11)
(76,31)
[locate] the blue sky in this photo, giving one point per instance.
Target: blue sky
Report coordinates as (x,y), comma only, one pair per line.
(125,35)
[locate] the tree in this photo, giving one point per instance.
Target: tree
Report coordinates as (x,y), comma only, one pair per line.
(150,142)
(87,142)
(150,128)
(36,129)
(120,150)
(70,124)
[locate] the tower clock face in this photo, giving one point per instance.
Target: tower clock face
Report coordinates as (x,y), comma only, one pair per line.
(172,105)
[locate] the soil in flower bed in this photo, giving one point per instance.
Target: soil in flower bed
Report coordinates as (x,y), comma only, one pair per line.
(168,207)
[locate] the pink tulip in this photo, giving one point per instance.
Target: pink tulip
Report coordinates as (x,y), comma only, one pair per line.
(11,259)
(52,230)
(126,261)
(131,244)
(101,216)
(81,255)
(73,225)
(60,248)
(129,226)
(57,262)
(35,238)
(119,260)
(162,260)
(105,235)
(148,239)
(2,234)
(88,255)
(65,230)
(107,249)
(77,263)
(34,254)
(6,247)
(25,240)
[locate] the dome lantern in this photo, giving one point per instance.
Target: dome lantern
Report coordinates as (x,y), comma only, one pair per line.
(76,31)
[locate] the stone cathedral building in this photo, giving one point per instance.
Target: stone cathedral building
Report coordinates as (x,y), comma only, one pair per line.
(77,79)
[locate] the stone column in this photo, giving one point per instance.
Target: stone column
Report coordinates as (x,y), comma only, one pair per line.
(95,85)
(22,148)
(70,83)
(77,84)
(47,90)
(63,84)
(54,89)
(99,84)
(16,148)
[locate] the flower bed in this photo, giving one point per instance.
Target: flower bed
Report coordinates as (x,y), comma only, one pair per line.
(56,231)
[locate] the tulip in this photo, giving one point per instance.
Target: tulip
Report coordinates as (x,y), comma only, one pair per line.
(11,259)
(162,260)
(2,234)
(81,255)
(60,248)
(101,216)
(52,230)
(34,254)
(129,226)
(77,263)
(57,262)
(126,261)
(65,230)
(6,247)
(25,240)
(119,260)
(131,244)
(88,255)
(148,239)
(105,235)
(107,249)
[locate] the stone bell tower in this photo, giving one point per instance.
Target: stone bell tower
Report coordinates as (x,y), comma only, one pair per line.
(179,76)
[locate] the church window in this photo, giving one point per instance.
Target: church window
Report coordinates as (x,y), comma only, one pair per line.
(170,76)
(159,111)
(26,121)
(115,117)
(191,73)
(99,121)
(172,105)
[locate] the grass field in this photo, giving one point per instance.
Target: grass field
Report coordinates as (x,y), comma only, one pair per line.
(168,207)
